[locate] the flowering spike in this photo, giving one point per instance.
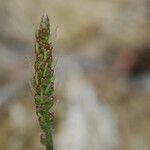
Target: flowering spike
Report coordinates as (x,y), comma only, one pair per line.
(44,81)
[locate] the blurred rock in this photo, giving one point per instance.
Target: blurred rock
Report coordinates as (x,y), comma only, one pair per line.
(134,64)
(120,22)
(87,124)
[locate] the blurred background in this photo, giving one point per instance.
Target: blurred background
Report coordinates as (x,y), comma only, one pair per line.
(102,57)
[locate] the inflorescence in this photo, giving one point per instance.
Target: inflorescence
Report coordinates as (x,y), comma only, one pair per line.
(44,81)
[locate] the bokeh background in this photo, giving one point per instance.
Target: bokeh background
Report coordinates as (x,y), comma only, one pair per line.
(102,57)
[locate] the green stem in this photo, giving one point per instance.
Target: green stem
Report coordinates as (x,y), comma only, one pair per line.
(49,145)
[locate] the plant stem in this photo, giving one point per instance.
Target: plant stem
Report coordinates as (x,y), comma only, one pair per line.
(49,145)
